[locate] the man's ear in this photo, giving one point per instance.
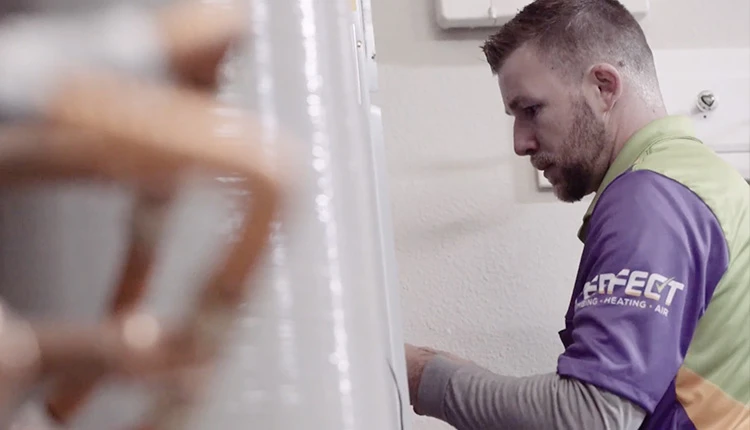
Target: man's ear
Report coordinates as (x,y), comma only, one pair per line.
(603,84)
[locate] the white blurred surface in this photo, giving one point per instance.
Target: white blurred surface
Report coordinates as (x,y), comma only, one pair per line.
(311,350)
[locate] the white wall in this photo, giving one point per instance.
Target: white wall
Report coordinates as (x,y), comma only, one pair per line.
(486,262)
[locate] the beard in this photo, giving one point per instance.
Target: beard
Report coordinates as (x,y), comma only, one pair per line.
(583,149)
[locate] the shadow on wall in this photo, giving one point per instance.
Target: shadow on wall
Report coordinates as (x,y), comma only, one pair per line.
(451,220)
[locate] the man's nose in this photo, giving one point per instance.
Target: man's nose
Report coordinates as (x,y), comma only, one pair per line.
(524,140)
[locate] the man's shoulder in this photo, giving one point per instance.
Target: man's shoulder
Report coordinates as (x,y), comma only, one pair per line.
(647,195)
(716,183)
(689,169)
(648,212)
(698,168)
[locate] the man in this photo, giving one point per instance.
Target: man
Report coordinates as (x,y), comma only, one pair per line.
(656,335)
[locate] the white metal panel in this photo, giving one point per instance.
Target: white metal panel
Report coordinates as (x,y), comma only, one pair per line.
(367,45)
(464,13)
(542,182)
(387,279)
(683,74)
(492,13)
(316,353)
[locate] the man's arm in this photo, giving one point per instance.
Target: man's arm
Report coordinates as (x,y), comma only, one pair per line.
(470,397)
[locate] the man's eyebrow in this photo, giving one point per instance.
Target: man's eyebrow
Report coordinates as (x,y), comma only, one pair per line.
(518,101)
(513,105)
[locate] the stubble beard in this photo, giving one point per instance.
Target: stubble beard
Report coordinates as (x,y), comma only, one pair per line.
(585,145)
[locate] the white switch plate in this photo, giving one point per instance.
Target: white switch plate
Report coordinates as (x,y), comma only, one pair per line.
(542,182)
(463,13)
(493,13)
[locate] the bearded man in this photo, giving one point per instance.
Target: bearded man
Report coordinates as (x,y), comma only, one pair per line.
(656,335)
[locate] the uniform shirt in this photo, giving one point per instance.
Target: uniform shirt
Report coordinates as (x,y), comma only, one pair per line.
(657,335)
(660,312)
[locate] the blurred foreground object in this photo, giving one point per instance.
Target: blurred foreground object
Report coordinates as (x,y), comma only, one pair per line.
(125,95)
(316,346)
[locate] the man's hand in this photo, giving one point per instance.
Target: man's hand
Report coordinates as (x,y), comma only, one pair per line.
(417,358)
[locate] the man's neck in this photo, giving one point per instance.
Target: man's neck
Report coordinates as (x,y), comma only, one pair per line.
(633,116)
(630,117)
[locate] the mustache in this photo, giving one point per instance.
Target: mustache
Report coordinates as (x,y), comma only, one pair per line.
(542,161)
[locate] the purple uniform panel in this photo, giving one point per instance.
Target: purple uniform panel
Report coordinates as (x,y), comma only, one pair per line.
(653,255)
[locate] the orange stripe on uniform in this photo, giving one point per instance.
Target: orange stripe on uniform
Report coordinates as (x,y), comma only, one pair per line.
(708,407)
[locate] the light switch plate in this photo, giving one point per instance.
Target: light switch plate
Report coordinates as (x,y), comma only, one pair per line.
(541,182)
(493,13)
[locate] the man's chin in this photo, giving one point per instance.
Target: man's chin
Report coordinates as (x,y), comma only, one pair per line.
(564,194)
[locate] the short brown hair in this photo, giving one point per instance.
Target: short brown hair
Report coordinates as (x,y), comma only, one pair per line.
(574,34)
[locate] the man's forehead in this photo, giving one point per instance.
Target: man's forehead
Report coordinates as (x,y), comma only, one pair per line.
(520,67)
(524,79)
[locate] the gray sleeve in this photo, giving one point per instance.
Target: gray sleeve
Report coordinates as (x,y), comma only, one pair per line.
(469,397)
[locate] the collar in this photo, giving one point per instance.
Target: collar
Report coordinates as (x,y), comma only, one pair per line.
(670,127)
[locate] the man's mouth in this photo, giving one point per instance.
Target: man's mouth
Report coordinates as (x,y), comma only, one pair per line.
(547,169)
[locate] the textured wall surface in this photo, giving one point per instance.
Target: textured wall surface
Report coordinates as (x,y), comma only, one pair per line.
(486,262)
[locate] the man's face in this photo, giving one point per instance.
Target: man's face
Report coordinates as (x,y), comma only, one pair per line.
(554,125)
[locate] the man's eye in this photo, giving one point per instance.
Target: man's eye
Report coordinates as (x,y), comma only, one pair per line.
(531,111)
